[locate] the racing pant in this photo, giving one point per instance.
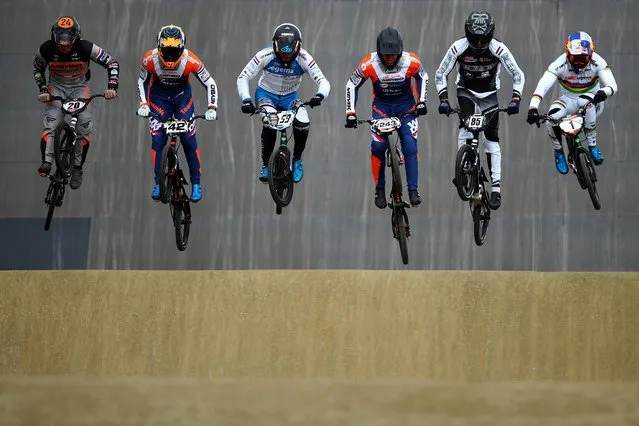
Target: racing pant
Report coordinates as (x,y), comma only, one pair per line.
(178,104)
(53,116)
(408,139)
(470,104)
(570,104)
(301,123)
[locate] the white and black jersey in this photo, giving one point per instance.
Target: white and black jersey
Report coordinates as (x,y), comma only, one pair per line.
(478,72)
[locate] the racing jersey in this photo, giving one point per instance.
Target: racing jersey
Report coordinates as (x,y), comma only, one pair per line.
(586,80)
(171,81)
(72,68)
(478,72)
(394,85)
(278,79)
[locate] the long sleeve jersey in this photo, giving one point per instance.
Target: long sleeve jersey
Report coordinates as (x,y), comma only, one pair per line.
(73,68)
(171,81)
(278,79)
(394,85)
(594,76)
(478,72)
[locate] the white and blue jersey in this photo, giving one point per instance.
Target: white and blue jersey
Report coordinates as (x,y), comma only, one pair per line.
(278,80)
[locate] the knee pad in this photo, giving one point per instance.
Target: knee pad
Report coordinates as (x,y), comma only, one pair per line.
(301,126)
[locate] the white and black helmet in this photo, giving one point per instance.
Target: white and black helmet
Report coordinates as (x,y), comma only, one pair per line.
(287,39)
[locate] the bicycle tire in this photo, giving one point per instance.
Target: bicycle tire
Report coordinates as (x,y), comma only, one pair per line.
(463,162)
(52,196)
(167,163)
(400,227)
(481,219)
(397,177)
(589,176)
(181,213)
(280,177)
(64,149)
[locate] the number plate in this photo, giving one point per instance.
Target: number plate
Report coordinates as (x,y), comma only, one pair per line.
(73,105)
(475,121)
(280,120)
(387,125)
(175,127)
(572,124)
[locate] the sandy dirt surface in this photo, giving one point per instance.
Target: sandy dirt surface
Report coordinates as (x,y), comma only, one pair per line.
(319,347)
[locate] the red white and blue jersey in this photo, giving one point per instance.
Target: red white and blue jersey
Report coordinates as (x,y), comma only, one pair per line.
(393,86)
(594,76)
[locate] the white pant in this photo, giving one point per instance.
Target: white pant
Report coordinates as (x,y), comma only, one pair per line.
(570,104)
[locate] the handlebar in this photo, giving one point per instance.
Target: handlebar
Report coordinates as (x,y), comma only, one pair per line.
(372,121)
(581,111)
(87,100)
(261,109)
(190,120)
(463,115)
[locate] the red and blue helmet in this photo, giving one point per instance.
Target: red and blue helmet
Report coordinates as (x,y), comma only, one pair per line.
(579,49)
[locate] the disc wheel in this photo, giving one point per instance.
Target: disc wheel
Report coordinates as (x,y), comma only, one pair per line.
(167,173)
(63,149)
(280,177)
(590,177)
(181,212)
(481,218)
(464,176)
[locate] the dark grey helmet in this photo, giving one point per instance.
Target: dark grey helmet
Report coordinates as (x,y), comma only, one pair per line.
(389,42)
(479,28)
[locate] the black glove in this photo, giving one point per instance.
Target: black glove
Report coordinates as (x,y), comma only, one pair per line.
(351,121)
(600,96)
(316,100)
(533,116)
(420,109)
(513,107)
(248,107)
(444,107)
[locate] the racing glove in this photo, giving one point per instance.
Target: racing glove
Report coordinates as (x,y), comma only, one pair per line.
(533,116)
(600,96)
(112,89)
(420,109)
(44,95)
(210,114)
(444,107)
(144,111)
(351,121)
(248,107)
(316,100)
(513,107)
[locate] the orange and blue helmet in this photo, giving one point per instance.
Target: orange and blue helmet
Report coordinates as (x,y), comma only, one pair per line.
(579,49)
(171,42)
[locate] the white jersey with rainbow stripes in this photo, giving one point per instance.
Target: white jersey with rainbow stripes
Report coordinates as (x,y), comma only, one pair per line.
(594,76)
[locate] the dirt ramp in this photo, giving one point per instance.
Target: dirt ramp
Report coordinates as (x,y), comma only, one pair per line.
(480,326)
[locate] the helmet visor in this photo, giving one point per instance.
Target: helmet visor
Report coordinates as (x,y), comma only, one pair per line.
(171,54)
(64,37)
(579,61)
(286,45)
(479,41)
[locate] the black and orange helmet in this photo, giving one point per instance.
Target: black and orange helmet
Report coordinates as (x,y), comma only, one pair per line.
(171,42)
(66,31)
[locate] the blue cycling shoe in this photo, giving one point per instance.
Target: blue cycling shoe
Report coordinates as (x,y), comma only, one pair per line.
(196,193)
(560,161)
(263,175)
(596,155)
(156,193)
(298,170)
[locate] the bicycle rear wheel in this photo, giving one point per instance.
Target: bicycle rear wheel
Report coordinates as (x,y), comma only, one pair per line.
(399,232)
(181,212)
(52,200)
(590,177)
(464,176)
(167,172)
(280,177)
(481,218)
(63,149)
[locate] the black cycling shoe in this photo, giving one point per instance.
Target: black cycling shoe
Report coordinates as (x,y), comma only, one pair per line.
(76,178)
(494,202)
(380,198)
(45,169)
(415,199)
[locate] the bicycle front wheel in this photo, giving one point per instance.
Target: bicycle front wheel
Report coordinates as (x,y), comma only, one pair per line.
(589,176)
(167,171)
(481,218)
(399,232)
(464,176)
(280,177)
(64,149)
(53,194)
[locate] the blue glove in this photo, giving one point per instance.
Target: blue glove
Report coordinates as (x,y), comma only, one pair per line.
(513,107)
(444,107)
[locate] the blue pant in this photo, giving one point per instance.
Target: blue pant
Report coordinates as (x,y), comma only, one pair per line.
(284,102)
(179,105)
(407,136)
